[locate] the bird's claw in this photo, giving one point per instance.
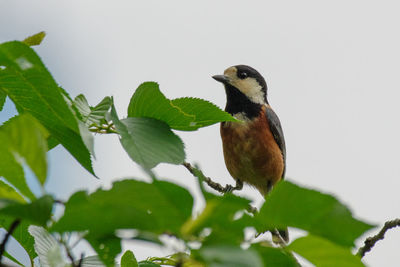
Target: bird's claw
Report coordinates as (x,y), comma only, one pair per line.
(229,188)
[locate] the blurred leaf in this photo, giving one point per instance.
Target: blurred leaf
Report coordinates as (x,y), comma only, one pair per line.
(20,234)
(148,141)
(148,264)
(37,212)
(10,257)
(129,204)
(275,257)
(128,259)
(26,137)
(92,115)
(322,252)
(186,114)
(35,39)
(3,97)
(106,246)
(52,142)
(205,112)
(320,214)
(30,86)
(47,248)
(92,261)
(11,170)
(227,256)
(219,216)
(7,191)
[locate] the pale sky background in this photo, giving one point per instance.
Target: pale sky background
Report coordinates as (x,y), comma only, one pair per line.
(332,70)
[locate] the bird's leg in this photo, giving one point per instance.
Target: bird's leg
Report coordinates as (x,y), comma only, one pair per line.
(229,188)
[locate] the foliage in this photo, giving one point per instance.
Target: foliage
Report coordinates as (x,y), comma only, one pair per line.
(214,237)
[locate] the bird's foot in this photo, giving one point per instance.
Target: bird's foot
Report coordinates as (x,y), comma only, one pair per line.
(229,188)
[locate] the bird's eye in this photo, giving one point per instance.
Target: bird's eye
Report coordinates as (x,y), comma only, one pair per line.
(242,75)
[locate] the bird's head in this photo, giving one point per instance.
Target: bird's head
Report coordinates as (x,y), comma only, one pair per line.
(245,81)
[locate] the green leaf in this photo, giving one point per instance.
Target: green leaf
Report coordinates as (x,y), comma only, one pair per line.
(92,115)
(30,86)
(35,39)
(3,97)
(107,247)
(26,137)
(91,261)
(148,141)
(310,210)
(128,259)
(37,212)
(148,264)
(129,204)
(275,257)
(322,252)
(205,112)
(47,248)
(10,257)
(227,256)
(11,170)
(20,234)
(219,216)
(186,114)
(8,192)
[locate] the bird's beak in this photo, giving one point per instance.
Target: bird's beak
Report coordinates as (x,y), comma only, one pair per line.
(221,78)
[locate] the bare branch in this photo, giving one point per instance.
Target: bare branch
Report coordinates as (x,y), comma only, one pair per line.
(371,241)
(214,185)
(13,226)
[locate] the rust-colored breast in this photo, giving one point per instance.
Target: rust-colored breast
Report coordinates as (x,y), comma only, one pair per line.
(251,153)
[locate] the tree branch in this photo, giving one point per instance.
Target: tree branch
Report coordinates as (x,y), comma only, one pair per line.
(214,185)
(371,241)
(13,226)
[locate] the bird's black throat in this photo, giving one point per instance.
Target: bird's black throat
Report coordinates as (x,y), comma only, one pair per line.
(237,102)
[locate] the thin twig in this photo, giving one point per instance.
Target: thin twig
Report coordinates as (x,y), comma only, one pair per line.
(214,185)
(69,253)
(370,241)
(12,228)
(80,260)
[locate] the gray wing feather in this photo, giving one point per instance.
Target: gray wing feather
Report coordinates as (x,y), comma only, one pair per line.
(276,129)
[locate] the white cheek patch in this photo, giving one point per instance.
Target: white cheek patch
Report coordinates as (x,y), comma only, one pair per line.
(251,88)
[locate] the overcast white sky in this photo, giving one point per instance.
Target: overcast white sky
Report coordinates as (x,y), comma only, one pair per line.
(332,70)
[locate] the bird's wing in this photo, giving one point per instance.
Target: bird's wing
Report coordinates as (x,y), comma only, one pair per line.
(276,129)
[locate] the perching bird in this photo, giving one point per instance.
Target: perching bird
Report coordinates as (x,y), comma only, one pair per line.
(254,149)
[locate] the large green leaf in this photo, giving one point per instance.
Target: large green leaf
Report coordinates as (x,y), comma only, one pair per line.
(310,210)
(186,114)
(148,141)
(107,247)
(205,112)
(219,216)
(20,234)
(322,252)
(227,256)
(38,212)
(159,207)
(26,137)
(3,97)
(47,248)
(275,257)
(30,86)
(128,259)
(11,170)
(8,192)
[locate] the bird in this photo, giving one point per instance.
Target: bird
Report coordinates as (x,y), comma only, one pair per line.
(254,146)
